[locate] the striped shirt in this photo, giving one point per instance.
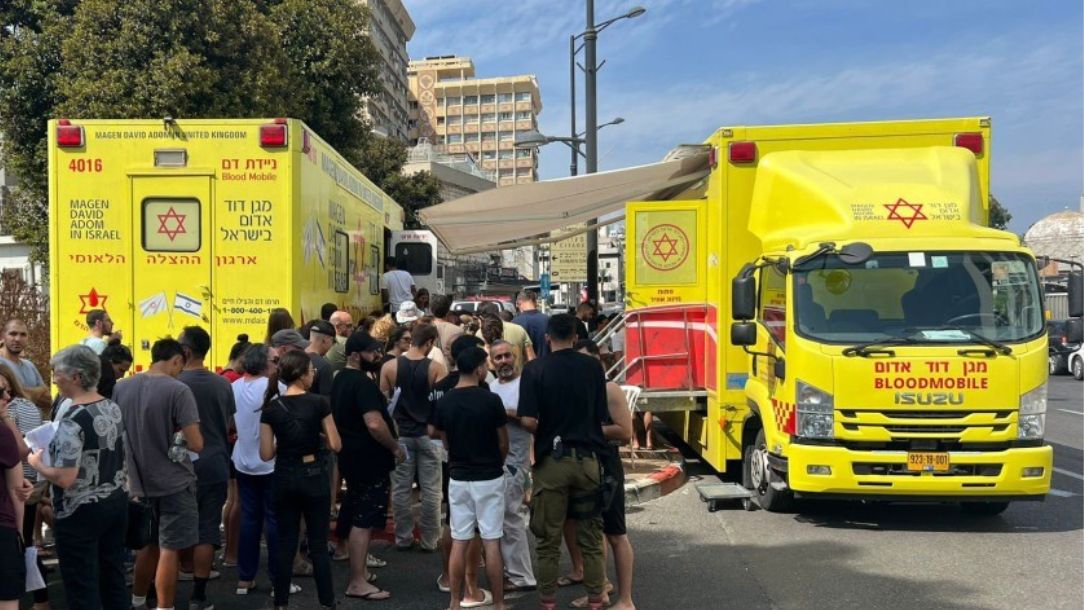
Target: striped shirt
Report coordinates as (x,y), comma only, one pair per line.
(27,417)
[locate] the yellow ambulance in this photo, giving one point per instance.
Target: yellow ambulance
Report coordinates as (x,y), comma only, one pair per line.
(209,222)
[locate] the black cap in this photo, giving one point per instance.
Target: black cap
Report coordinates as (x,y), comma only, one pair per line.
(362,341)
(323,327)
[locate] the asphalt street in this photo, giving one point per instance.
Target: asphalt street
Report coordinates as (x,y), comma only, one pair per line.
(825,555)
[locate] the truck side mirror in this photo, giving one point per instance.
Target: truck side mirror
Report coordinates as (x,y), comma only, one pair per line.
(1076,294)
(1074,331)
(743,333)
(743,298)
(780,369)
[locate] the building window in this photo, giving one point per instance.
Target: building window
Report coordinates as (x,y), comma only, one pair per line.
(507,173)
(488,117)
(453,101)
(505,97)
(489,136)
(523,115)
(440,139)
(523,153)
(470,118)
(505,116)
(523,96)
(489,155)
(489,99)
(470,137)
(440,120)
(504,154)
(470,99)
(507,136)
(455,138)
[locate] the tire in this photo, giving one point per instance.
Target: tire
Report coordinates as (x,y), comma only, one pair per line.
(1056,364)
(984,509)
(757,475)
(1078,368)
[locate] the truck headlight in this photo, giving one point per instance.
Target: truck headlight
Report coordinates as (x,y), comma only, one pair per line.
(1032,423)
(815,412)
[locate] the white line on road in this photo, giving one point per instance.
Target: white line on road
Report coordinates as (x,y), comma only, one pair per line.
(1061,493)
(1069,474)
(1068,411)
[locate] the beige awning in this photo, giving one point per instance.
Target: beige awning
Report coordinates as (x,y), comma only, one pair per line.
(526,214)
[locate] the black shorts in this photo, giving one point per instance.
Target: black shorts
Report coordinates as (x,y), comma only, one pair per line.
(12,565)
(369,501)
(613,517)
(210,498)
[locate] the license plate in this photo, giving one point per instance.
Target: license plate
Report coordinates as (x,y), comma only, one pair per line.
(928,461)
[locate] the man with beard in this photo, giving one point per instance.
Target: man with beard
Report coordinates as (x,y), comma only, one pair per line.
(515,546)
(370,451)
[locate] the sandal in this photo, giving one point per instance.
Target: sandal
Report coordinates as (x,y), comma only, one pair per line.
(373,561)
(369,597)
(487,599)
(568,581)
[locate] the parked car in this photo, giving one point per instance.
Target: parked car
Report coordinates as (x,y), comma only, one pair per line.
(1076,363)
(472,305)
(1059,349)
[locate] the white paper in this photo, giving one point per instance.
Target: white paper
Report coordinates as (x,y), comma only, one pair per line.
(916,259)
(40,437)
(192,455)
(394,401)
(34,580)
(945,335)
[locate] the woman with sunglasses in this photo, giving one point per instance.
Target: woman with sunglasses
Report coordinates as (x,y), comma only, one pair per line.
(293,427)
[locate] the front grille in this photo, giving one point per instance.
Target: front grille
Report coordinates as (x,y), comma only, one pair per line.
(906,424)
(900,470)
(853,413)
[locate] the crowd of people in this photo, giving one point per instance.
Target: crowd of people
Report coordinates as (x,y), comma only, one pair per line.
(494,427)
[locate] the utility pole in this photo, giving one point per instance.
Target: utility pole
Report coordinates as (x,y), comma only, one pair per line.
(590,37)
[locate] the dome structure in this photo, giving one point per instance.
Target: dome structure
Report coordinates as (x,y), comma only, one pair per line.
(1059,235)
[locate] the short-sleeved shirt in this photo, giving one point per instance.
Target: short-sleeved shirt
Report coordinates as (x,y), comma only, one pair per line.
(28,374)
(95,343)
(297,422)
(9,458)
(27,417)
(156,407)
(362,458)
(248,395)
(566,392)
(325,372)
(397,282)
(470,418)
(89,437)
(214,400)
(519,439)
(534,322)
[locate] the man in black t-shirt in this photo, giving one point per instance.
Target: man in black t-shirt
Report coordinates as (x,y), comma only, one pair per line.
(472,422)
(562,401)
(369,453)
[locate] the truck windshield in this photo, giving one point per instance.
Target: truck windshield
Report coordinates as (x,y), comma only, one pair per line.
(930,297)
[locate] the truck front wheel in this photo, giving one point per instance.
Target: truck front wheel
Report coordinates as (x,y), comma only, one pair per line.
(759,476)
(984,509)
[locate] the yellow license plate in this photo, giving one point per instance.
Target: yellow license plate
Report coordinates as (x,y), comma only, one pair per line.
(928,461)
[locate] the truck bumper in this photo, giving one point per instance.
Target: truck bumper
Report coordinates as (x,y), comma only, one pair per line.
(974,475)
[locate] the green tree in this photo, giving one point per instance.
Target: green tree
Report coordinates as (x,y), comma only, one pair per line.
(309,59)
(414,192)
(999,216)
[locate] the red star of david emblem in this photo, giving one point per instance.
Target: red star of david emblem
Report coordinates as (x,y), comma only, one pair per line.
(91,300)
(912,212)
(665,247)
(178,224)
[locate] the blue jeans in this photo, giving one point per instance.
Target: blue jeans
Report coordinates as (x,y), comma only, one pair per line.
(256,509)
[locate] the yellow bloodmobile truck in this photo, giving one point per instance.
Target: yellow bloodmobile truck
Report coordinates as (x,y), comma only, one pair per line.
(208,222)
(829,312)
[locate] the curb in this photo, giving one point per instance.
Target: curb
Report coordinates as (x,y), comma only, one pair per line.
(655,485)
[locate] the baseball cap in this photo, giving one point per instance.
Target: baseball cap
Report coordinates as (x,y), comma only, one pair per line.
(362,341)
(323,327)
(288,337)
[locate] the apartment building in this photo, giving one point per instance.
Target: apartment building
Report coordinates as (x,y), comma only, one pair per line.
(459,113)
(390,28)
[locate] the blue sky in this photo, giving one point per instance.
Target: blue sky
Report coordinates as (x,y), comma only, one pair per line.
(687,67)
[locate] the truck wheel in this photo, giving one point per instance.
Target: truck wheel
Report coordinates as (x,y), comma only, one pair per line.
(984,509)
(759,476)
(1078,368)
(1056,364)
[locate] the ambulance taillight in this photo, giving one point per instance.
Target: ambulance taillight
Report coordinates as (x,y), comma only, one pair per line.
(970,141)
(743,152)
(68,135)
(274,135)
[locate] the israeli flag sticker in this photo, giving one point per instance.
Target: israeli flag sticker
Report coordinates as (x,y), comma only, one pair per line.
(188,305)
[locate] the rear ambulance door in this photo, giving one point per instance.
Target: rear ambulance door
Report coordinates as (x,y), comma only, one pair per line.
(171,257)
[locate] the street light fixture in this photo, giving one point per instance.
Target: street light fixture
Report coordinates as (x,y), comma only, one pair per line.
(534,139)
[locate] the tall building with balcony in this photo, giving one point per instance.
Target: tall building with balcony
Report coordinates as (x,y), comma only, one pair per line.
(390,28)
(459,113)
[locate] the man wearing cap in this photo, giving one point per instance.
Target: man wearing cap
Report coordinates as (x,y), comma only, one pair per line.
(370,451)
(321,339)
(287,340)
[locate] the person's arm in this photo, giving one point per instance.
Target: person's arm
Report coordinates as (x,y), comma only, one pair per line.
(19,489)
(188,418)
(194,437)
(527,409)
(621,428)
(380,433)
(61,477)
(502,441)
(332,433)
(530,355)
(437,371)
(267,443)
(387,377)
